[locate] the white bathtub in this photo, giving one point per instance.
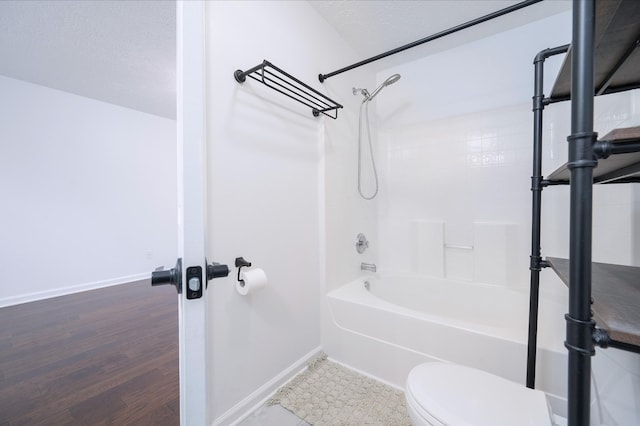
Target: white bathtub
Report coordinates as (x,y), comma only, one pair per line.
(401,321)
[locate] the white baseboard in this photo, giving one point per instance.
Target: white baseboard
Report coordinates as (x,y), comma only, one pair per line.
(40,295)
(255,400)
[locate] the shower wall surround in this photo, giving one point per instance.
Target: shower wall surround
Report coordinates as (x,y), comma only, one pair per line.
(471,174)
(457,142)
(488,259)
(456,151)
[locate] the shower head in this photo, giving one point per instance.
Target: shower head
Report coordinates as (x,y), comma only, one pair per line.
(387,82)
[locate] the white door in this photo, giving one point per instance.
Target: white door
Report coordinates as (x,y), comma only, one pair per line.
(190,273)
(191,209)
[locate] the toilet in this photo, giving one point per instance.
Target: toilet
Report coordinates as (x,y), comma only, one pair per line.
(443,394)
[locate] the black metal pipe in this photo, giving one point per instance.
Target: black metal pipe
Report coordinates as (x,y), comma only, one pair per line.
(625,148)
(546,182)
(547,53)
(496,14)
(580,326)
(604,149)
(549,101)
(536,208)
(624,346)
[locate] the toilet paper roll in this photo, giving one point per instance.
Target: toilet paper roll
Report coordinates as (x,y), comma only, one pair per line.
(252,280)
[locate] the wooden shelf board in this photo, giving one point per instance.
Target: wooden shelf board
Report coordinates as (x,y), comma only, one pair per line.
(617,29)
(605,170)
(616,293)
(623,134)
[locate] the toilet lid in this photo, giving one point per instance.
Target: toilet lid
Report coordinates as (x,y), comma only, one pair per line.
(456,395)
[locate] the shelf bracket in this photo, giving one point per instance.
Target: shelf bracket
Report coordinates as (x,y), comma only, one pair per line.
(537,263)
(602,339)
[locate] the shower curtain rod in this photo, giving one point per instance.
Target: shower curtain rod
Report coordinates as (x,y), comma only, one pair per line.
(323,77)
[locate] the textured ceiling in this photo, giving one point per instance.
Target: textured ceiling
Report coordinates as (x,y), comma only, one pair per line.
(121,52)
(372,27)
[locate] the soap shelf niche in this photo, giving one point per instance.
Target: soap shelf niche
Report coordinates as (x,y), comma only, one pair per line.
(283,82)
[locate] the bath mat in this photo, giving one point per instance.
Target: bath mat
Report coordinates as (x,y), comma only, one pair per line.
(327,394)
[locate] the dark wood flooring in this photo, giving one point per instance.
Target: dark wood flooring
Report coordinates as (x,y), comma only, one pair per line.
(100,357)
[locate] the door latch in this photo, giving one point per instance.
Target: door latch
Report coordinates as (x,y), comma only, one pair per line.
(194,277)
(194,282)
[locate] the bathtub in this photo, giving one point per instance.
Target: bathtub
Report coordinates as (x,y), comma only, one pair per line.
(384,325)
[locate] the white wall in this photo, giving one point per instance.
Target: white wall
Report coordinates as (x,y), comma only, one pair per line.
(88,193)
(266,195)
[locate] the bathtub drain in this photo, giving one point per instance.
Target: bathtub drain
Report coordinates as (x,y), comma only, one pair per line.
(367,285)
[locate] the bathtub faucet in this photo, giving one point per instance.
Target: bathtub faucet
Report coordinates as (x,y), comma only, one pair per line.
(368,267)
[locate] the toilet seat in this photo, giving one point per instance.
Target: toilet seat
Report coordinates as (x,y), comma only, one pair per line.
(443,394)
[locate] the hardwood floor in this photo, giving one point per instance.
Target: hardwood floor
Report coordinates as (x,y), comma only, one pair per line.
(100,357)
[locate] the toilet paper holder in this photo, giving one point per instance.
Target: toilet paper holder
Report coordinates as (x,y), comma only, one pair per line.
(240,262)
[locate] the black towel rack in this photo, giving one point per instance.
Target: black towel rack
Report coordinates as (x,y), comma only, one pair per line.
(283,82)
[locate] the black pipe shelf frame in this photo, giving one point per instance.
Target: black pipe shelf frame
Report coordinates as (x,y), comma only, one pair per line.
(602,295)
(283,82)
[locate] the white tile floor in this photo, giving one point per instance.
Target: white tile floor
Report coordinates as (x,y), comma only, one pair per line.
(273,415)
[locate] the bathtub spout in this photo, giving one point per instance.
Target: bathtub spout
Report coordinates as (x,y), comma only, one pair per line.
(368,267)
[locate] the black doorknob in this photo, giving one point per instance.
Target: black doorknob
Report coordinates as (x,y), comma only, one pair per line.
(216,270)
(172,276)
